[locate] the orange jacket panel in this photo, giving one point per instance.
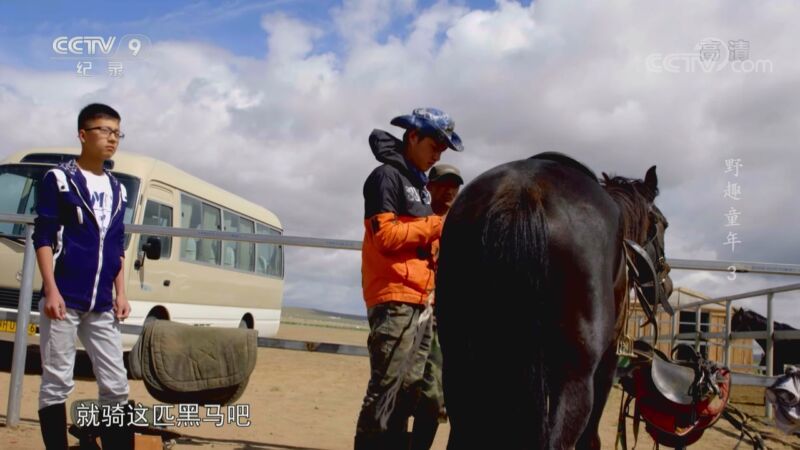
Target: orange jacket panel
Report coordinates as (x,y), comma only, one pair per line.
(396,258)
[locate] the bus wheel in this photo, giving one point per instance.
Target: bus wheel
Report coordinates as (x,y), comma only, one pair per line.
(246,322)
(156,313)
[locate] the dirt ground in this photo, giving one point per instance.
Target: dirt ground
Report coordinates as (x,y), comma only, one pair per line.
(303,400)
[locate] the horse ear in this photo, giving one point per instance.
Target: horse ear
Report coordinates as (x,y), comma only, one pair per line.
(650,179)
(605,177)
(651,182)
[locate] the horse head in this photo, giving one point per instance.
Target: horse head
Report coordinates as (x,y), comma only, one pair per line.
(746,320)
(738,321)
(644,223)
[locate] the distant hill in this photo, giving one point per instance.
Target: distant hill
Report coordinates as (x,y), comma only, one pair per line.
(318,317)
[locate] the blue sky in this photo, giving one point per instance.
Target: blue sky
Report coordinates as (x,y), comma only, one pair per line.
(28,28)
(232,25)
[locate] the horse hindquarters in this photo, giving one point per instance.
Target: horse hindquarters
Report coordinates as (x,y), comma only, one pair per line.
(587,285)
(581,374)
(489,295)
(605,371)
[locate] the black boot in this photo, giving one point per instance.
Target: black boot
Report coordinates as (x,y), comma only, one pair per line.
(53,423)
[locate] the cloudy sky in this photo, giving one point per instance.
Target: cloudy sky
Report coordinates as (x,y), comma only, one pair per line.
(274,101)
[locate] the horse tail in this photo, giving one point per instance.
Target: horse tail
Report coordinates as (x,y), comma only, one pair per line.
(515,242)
(514,239)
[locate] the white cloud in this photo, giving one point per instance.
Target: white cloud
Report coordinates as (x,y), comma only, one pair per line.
(359,22)
(289,130)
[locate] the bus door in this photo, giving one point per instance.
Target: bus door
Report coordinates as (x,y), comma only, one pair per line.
(152,280)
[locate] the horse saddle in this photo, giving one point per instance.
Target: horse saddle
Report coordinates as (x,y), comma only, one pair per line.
(186,364)
(677,399)
(673,380)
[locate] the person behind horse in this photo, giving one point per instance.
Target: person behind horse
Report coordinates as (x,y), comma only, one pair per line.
(397,273)
(444,182)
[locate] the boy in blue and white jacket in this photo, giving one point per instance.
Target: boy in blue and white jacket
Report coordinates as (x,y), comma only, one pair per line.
(79,240)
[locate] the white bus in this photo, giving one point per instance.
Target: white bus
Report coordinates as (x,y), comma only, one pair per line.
(202,282)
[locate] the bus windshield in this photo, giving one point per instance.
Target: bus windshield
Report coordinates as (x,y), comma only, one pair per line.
(18,186)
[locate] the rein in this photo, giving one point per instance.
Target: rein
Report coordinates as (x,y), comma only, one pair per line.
(640,276)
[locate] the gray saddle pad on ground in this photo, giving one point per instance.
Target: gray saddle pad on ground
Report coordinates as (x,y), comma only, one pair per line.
(186,364)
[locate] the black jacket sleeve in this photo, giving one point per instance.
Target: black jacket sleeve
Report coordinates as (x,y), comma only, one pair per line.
(382,193)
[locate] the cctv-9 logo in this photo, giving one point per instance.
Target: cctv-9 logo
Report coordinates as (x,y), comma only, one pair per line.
(129,46)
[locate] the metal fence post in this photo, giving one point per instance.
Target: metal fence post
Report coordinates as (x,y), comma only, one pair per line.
(726,358)
(770,347)
(21,336)
(675,317)
(697,330)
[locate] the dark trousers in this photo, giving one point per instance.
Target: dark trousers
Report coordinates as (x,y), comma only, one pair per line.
(430,410)
(398,346)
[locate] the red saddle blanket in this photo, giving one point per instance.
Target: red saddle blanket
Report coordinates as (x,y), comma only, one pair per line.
(670,422)
(673,424)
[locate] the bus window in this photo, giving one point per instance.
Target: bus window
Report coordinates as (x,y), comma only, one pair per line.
(269,257)
(132,188)
(18,194)
(161,215)
(210,250)
(190,218)
(239,255)
(247,250)
(202,216)
(229,247)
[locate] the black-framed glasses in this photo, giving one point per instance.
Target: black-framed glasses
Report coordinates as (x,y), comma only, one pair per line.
(106,131)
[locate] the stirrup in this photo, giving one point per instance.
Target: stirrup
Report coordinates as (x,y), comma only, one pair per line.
(625,346)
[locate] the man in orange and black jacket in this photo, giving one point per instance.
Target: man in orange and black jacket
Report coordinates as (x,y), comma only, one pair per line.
(397,271)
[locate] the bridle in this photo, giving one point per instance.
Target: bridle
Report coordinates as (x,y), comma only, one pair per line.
(654,245)
(647,271)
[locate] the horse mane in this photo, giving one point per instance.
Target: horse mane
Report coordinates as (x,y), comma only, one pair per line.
(635,206)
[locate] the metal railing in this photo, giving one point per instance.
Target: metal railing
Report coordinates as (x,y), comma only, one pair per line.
(23,316)
(736,266)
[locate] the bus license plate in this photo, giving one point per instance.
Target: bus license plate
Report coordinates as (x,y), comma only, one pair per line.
(10,326)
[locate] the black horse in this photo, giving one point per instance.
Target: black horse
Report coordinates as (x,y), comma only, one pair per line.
(784,352)
(529,300)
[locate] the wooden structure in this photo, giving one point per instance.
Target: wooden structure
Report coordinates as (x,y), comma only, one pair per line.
(712,320)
